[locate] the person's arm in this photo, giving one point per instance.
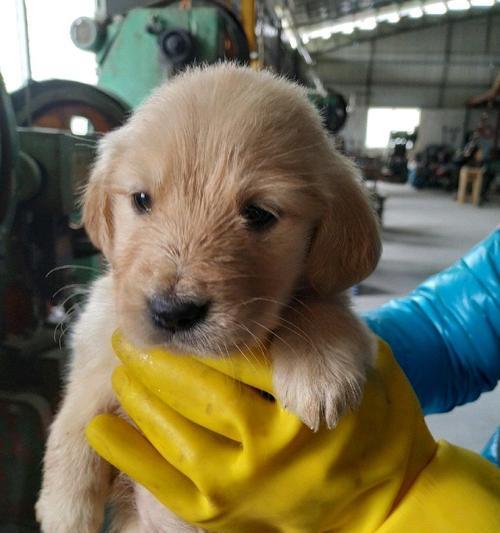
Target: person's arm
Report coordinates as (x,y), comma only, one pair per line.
(446,333)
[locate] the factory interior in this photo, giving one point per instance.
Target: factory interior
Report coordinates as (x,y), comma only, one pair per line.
(409,90)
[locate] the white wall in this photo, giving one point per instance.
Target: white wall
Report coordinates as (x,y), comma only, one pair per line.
(437,126)
(354,132)
(441,126)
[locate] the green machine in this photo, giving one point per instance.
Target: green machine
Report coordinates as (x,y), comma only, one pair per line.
(140,44)
(40,171)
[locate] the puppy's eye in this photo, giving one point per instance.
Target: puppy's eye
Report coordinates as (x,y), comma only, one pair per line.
(258,218)
(142,202)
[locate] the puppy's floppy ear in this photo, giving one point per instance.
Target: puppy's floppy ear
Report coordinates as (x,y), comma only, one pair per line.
(346,245)
(97,216)
(97,208)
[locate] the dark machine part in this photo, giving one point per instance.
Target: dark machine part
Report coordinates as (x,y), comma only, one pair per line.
(400,142)
(54,103)
(178,47)
(42,170)
(333,107)
(8,149)
(51,170)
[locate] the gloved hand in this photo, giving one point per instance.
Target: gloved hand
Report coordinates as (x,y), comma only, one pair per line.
(446,333)
(224,457)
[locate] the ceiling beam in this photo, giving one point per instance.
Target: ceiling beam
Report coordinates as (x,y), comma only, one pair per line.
(320,47)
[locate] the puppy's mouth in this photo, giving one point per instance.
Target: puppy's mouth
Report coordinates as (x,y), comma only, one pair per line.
(201,327)
(208,340)
(216,335)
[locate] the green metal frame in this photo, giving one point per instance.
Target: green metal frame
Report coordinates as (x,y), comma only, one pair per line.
(130,60)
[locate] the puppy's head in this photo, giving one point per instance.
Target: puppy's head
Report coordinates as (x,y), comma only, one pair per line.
(217,201)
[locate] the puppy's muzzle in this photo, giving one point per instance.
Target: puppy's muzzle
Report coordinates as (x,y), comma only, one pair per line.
(174,314)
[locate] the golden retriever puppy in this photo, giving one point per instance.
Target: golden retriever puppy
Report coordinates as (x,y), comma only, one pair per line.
(228,220)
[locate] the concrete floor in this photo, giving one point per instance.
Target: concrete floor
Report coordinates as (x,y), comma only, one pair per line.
(424,232)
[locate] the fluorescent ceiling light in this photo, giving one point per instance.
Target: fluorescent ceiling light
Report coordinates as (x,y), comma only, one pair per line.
(482,3)
(290,37)
(345,27)
(458,5)
(435,8)
(391,17)
(315,34)
(413,12)
(367,24)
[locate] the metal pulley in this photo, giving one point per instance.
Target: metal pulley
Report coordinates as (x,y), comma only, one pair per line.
(178,46)
(333,107)
(55,103)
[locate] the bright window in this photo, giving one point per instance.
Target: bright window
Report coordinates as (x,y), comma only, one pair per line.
(384,120)
(53,54)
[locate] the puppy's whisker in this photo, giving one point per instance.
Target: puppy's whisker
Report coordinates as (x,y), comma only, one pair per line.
(302,334)
(296,330)
(69,286)
(73,267)
(229,358)
(274,334)
(64,324)
(300,302)
(258,341)
(245,356)
(70,297)
(281,304)
(65,320)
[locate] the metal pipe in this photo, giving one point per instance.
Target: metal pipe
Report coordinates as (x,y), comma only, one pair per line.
(248,21)
(27,57)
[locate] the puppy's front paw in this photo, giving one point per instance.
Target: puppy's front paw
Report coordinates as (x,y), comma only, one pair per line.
(58,515)
(320,360)
(317,392)
(74,488)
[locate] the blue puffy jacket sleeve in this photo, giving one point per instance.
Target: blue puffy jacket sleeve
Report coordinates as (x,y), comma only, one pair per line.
(446,333)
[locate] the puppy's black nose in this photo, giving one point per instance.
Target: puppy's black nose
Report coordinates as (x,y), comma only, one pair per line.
(175,314)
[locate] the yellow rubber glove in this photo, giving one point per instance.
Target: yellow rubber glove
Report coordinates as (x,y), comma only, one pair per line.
(222,456)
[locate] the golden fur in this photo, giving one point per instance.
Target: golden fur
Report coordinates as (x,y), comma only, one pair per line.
(203,146)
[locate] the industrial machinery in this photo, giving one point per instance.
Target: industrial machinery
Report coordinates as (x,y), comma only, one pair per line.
(333,107)
(41,172)
(140,44)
